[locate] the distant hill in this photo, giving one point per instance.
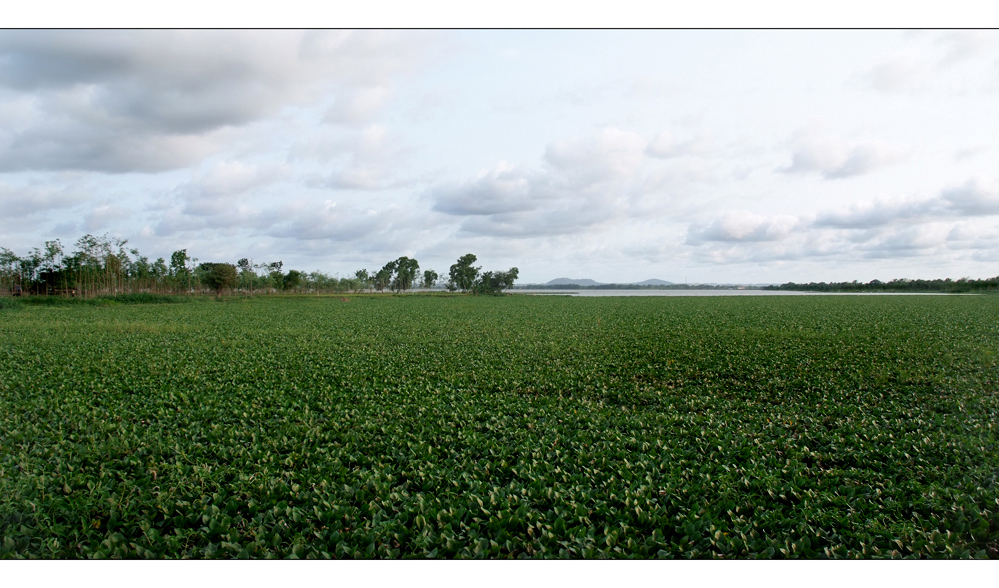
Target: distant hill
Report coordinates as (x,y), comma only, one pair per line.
(652,282)
(571,281)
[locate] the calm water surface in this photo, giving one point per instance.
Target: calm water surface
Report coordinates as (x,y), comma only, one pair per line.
(715,293)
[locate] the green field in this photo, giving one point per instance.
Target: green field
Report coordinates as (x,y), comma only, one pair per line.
(458,427)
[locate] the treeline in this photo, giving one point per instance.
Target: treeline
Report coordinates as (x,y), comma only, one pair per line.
(104,266)
(898,285)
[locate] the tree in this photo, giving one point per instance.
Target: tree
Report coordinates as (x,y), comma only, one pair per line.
(383,278)
(246,274)
(275,275)
(430,278)
(463,274)
(405,273)
(495,282)
(178,263)
(52,258)
(178,270)
(160,269)
(507,278)
(9,276)
(219,276)
(292,280)
(363,279)
(140,268)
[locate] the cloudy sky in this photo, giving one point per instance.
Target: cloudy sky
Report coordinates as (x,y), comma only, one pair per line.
(698,155)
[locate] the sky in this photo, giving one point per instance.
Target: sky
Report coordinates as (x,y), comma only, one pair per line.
(741,156)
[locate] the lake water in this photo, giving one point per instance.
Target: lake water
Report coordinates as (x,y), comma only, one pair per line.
(711,293)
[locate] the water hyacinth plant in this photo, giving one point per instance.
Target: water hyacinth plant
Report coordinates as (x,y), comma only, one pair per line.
(501,427)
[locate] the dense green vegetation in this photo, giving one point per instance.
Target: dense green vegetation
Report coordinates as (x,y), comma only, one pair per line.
(105,300)
(407,426)
(948,285)
(102,266)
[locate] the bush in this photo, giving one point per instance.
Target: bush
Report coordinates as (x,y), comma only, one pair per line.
(107,300)
(9,303)
(142,298)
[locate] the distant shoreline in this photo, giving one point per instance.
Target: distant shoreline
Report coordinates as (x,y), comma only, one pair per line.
(639,287)
(637,292)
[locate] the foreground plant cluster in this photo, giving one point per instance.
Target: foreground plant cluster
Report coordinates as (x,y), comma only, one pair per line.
(513,427)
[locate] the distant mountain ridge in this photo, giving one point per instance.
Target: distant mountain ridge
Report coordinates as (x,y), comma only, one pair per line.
(589,282)
(572,282)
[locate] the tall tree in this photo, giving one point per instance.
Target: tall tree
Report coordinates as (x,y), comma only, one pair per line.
(246,274)
(383,279)
(219,276)
(363,279)
(276,277)
(178,262)
(405,273)
(10,265)
(463,274)
(292,280)
(179,271)
(160,269)
(495,282)
(430,278)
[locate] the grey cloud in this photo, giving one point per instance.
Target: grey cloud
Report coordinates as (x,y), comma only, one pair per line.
(235,177)
(500,191)
(103,215)
(355,179)
(968,153)
(990,255)
(369,57)
(907,242)
(972,199)
(329,225)
(974,233)
(118,101)
(876,214)
(798,245)
(69,228)
(362,178)
(894,76)
(296,219)
(169,81)
(664,146)
(221,190)
(611,154)
(174,222)
(357,105)
(742,227)
(655,88)
(563,219)
(918,71)
(62,144)
(729,253)
(21,202)
(35,61)
(861,160)
(962,45)
(371,159)
(833,160)
(584,182)
(508,202)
